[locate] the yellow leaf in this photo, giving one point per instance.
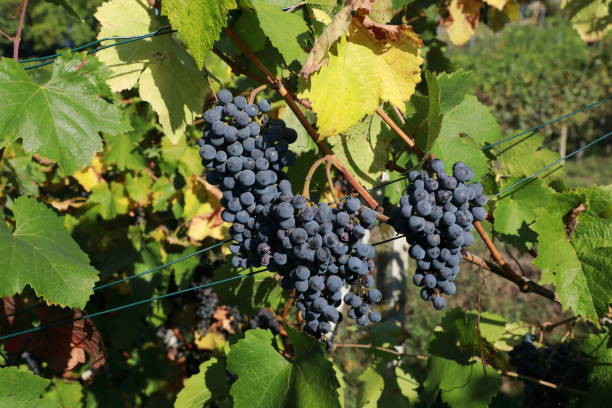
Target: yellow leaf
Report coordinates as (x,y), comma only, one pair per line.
(158,234)
(590,19)
(321,16)
(207,227)
(462,20)
(90,176)
(363,71)
(498,4)
(211,341)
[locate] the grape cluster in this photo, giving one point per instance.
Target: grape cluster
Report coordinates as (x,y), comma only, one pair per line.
(323,252)
(207,304)
(315,248)
(562,364)
(245,153)
(437,217)
(265,319)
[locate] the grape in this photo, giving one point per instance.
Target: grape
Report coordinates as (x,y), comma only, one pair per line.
(439,302)
(564,364)
(224,96)
(437,214)
(241,119)
(240,101)
(251,110)
(264,105)
(374,296)
(479,213)
(333,283)
(429,281)
(212,116)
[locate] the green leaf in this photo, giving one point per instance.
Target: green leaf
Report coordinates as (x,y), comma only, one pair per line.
(600,377)
(560,264)
(593,243)
(371,388)
(123,151)
(139,187)
(364,149)
(286,31)
(407,386)
(250,294)
(59,119)
(514,210)
(67,6)
(247,28)
(18,386)
(65,394)
(464,130)
(511,157)
(166,74)
(453,372)
(462,385)
(314,378)
(453,88)
(264,376)
(194,393)
(111,201)
(41,253)
(182,156)
(267,379)
(199,23)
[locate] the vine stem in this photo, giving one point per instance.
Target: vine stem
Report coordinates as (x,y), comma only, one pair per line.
(525,285)
(411,144)
(502,372)
(8,37)
(17,39)
(503,269)
(255,91)
(310,174)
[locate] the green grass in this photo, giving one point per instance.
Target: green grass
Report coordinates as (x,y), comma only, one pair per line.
(589,171)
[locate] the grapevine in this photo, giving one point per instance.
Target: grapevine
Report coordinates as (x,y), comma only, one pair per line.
(270,203)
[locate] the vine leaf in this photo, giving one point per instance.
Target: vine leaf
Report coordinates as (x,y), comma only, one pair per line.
(166,74)
(252,293)
(591,19)
(111,199)
(518,208)
(593,243)
(67,6)
(511,157)
(365,68)
(199,23)
(195,393)
(364,149)
(20,388)
(462,20)
(600,378)
(453,372)
(583,286)
(65,394)
(371,388)
(267,379)
(463,130)
(285,30)
(41,253)
(59,119)
(63,347)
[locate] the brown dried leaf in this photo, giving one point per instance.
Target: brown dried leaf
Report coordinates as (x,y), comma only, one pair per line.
(62,347)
